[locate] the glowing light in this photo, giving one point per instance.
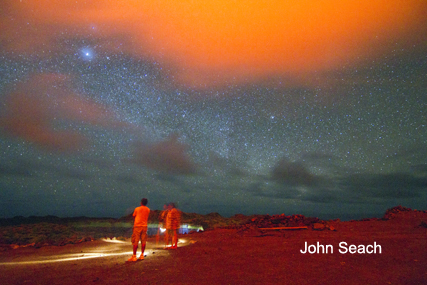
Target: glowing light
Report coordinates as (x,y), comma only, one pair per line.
(115,248)
(69,257)
(107,250)
(114,240)
(87,54)
(211,42)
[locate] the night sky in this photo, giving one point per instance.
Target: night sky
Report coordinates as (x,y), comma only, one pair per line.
(297,107)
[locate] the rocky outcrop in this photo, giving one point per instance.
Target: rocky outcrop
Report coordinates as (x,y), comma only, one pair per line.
(397,211)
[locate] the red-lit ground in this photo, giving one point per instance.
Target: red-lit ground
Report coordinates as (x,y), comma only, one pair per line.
(226,256)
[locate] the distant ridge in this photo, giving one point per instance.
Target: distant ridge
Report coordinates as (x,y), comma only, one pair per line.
(207,221)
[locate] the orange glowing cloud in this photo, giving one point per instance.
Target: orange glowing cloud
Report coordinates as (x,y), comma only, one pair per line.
(35,109)
(213,42)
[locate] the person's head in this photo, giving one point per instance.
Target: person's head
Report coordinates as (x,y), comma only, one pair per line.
(144,201)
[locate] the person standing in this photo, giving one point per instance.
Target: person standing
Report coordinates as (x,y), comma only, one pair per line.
(173,223)
(140,226)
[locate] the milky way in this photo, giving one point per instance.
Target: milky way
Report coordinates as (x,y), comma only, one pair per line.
(89,128)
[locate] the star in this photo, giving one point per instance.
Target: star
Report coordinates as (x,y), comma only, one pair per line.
(87,53)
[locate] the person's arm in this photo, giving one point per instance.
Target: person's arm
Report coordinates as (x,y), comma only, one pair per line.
(134,215)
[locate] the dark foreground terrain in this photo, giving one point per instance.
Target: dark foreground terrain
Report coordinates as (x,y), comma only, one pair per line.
(258,251)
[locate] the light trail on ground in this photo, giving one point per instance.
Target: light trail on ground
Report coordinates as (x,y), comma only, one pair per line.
(77,256)
(101,252)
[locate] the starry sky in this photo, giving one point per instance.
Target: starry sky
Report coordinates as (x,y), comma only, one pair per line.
(295,107)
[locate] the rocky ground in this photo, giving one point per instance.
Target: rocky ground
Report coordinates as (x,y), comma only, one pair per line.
(259,250)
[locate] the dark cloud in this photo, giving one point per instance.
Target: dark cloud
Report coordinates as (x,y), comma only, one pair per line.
(392,185)
(291,180)
(323,194)
(33,168)
(420,169)
(169,156)
(272,190)
(326,195)
(293,173)
(328,164)
(15,170)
